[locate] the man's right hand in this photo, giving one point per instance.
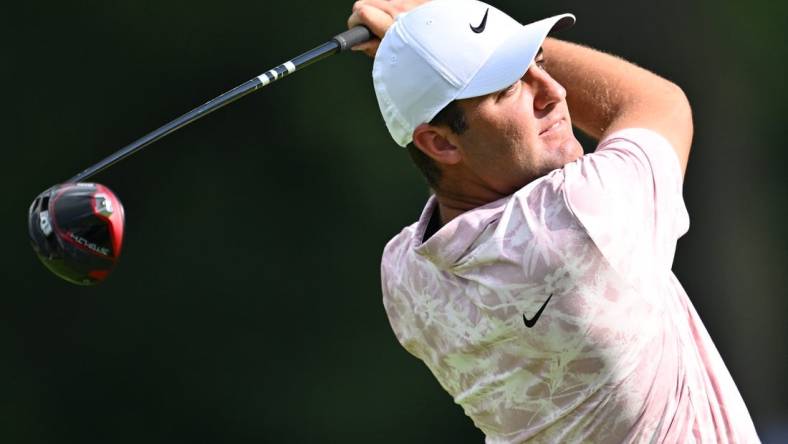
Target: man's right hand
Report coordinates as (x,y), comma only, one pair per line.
(378,16)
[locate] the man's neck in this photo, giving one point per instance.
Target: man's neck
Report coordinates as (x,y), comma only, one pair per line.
(452,206)
(461,191)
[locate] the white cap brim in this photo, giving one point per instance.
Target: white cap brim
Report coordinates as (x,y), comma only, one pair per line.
(510,61)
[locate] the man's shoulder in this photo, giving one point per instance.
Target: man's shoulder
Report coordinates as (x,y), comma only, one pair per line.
(398,245)
(411,236)
(398,255)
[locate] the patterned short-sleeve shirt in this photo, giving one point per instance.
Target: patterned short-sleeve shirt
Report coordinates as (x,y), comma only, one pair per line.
(553,315)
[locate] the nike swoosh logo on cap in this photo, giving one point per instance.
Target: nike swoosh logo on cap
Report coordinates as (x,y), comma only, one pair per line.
(531,322)
(480,29)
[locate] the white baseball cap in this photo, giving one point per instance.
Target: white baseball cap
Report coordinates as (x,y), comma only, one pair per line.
(451,49)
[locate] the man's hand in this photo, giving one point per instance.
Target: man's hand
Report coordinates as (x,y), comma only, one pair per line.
(378,16)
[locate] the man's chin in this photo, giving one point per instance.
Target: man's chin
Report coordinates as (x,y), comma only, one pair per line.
(567,152)
(575,149)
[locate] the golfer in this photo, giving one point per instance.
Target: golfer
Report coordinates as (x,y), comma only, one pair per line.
(537,283)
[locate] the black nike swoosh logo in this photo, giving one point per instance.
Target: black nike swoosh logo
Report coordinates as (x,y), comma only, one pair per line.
(480,29)
(530,323)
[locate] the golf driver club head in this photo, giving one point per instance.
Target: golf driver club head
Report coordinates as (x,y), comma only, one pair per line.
(76,229)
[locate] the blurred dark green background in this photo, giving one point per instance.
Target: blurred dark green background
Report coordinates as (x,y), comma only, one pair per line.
(247,306)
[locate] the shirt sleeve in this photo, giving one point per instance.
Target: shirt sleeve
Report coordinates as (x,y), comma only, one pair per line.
(628,197)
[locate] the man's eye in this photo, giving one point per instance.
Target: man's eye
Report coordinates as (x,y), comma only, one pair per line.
(508,90)
(541,64)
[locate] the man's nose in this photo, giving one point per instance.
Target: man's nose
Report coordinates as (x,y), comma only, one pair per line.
(547,90)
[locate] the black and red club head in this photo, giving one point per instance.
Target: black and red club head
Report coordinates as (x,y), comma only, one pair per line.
(77,231)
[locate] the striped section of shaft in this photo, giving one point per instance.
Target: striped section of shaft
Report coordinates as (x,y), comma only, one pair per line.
(276,73)
(297,63)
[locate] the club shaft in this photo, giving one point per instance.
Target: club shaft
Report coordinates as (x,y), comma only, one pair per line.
(339,43)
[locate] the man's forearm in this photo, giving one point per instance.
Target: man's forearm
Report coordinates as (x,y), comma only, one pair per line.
(606,93)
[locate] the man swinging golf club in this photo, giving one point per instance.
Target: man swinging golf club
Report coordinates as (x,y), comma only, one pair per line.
(537,283)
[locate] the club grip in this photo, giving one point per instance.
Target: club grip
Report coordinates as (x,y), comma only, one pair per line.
(352,37)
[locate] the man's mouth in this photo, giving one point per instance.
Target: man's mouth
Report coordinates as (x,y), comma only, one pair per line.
(553,127)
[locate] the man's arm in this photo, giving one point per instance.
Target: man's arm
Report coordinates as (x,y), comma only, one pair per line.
(606,93)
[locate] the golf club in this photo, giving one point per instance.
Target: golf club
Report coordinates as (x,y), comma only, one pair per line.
(76,228)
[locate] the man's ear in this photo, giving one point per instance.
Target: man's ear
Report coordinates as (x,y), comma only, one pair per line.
(433,142)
